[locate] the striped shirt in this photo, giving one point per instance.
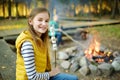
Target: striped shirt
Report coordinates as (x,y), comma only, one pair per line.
(28,56)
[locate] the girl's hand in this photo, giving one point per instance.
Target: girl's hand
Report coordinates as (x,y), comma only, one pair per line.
(60,29)
(54,72)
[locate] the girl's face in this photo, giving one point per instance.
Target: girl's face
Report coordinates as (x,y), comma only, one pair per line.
(40,22)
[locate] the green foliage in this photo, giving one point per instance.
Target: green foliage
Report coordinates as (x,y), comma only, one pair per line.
(109,30)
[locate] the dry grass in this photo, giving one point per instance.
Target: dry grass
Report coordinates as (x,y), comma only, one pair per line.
(12,24)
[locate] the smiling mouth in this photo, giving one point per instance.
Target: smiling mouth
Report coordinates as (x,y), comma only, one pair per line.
(42,28)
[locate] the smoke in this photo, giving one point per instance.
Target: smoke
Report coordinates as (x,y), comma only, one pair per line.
(57,8)
(65,8)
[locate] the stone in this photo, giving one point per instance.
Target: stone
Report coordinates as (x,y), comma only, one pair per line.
(106,69)
(84,70)
(74,67)
(63,55)
(116,54)
(84,61)
(117,59)
(94,70)
(65,64)
(116,65)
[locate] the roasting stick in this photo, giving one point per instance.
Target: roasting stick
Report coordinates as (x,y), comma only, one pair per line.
(54,40)
(75,41)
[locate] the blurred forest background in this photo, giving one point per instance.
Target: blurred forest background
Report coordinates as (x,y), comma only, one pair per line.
(21,8)
(74,10)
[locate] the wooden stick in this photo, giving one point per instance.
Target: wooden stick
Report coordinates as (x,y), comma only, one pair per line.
(55,59)
(75,41)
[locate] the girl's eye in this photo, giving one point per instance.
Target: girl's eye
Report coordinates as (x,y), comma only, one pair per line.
(47,21)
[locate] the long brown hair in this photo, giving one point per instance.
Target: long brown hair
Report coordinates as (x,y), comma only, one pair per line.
(44,37)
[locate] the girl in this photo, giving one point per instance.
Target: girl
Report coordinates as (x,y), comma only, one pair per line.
(33,62)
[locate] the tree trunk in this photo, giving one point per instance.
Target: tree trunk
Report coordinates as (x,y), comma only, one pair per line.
(89,4)
(100,14)
(51,8)
(17,13)
(9,9)
(74,13)
(35,3)
(118,1)
(114,9)
(3,9)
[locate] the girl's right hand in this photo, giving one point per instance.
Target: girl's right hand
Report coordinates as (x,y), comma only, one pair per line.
(54,72)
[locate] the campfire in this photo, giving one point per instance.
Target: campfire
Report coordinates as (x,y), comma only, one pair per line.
(94,53)
(94,60)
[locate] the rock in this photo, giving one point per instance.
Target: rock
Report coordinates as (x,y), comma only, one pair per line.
(94,70)
(84,70)
(63,55)
(116,54)
(83,61)
(117,59)
(71,50)
(106,69)
(68,50)
(65,64)
(74,67)
(79,55)
(116,65)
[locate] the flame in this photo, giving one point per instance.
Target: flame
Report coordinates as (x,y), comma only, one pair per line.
(93,49)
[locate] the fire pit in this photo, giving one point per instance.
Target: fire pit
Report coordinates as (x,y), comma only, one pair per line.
(95,60)
(94,53)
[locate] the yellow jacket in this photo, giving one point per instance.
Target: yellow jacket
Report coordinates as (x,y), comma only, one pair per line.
(42,60)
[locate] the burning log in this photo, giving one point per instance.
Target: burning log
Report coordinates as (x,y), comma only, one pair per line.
(103,58)
(99,56)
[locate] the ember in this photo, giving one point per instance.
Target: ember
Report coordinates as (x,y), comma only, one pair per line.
(103,58)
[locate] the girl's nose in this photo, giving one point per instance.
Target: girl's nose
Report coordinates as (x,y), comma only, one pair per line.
(43,23)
